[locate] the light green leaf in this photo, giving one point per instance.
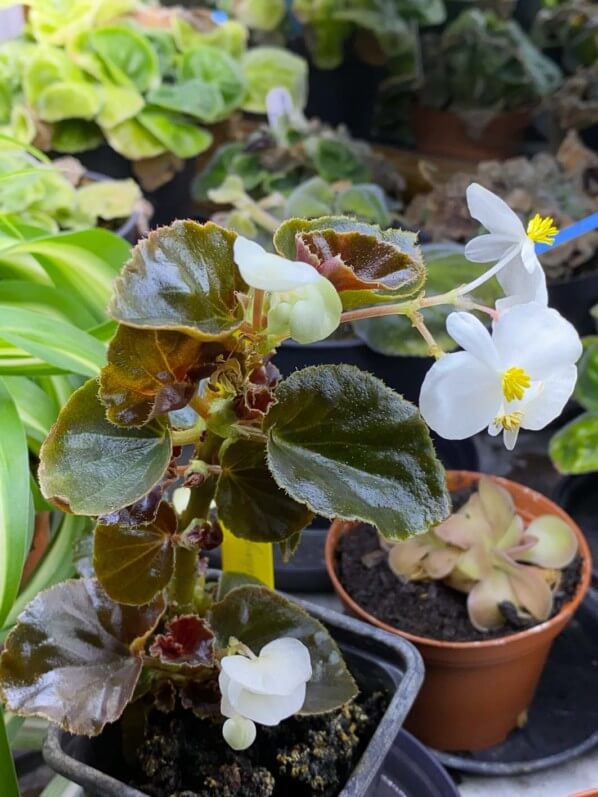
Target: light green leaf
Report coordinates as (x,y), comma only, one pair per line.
(574,448)
(128,56)
(193,97)
(66,100)
(586,390)
(178,136)
(265,68)
(90,467)
(119,103)
(131,140)
(16,516)
(36,409)
(346,445)
(52,341)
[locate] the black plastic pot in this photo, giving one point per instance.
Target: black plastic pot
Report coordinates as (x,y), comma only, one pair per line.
(574,300)
(403,374)
(377,660)
(411,770)
(578,495)
(332,93)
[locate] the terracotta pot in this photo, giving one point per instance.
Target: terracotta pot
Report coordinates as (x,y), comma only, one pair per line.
(445,133)
(474,693)
(39,544)
(588,793)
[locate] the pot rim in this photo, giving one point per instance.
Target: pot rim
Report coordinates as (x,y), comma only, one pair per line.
(340,527)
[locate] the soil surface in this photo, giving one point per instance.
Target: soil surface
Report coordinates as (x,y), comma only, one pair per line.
(425,608)
(184,756)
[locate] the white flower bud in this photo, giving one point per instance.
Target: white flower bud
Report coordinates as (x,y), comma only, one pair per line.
(239,732)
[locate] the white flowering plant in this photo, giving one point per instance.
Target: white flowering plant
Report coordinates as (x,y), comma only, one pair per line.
(200,313)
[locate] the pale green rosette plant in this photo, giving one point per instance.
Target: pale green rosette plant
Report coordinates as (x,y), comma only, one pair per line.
(146,81)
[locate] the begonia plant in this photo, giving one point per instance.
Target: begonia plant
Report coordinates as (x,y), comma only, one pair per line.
(200,312)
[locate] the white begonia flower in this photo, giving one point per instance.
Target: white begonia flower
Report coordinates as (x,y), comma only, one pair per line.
(268,272)
(520,377)
(517,269)
(265,689)
(304,305)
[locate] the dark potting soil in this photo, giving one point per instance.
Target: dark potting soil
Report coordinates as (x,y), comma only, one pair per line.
(425,608)
(184,756)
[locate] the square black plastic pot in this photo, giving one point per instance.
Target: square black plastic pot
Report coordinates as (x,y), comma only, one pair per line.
(377,660)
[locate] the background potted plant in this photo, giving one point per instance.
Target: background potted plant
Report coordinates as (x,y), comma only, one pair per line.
(144,82)
(483,117)
(61,194)
(493,549)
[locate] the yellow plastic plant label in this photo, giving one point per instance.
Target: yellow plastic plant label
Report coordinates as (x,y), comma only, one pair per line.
(253,558)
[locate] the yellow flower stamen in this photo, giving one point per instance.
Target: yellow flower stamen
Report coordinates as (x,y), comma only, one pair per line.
(509,422)
(542,230)
(515,381)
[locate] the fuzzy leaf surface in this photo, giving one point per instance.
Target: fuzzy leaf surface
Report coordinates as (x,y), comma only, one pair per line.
(184,278)
(342,442)
(250,503)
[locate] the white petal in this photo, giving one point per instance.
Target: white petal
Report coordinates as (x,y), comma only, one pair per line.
(489,248)
(281,666)
(550,401)
(469,332)
(529,256)
(226,709)
(537,339)
(491,211)
(278,103)
(317,313)
(268,272)
(460,396)
(239,733)
(521,286)
(266,709)
(510,438)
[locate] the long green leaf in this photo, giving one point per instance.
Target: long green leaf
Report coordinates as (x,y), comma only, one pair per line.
(16,514)
(55,342)
(46,299)
(36,409)
(56,566)
(8,775)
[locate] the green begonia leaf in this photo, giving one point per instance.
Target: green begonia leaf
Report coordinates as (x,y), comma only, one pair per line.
(73,656)
(574,448)
(184,278)
(586,390)
(365,201)
(182,138)
(266,68)
(128,56)
(256,615)
(151,372)
(364,263)
(108,199)
(310,200)
(134,562)
(193,97)
(132,140)
(44,67)
(250,503)
(346,445)
(88,466)
(65,100)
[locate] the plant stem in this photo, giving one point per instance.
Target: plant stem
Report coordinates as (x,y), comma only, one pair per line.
(182,586)
(419,324)
(186,436)
(258,214)
(200,405)
(8,775)
(251,432)
(258,306)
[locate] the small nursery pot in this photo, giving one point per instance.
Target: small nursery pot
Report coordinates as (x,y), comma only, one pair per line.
(445,133)
(475,692)
(377,660)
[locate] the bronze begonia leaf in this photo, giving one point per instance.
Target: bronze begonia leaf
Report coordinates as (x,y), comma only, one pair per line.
(134,562)
(73,656)
(182,277)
